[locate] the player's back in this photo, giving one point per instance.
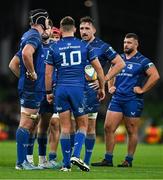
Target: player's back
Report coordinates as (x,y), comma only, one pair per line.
(69,57)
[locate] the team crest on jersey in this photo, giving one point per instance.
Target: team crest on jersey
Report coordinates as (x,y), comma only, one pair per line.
(80,110)
(130,66)
(21,101)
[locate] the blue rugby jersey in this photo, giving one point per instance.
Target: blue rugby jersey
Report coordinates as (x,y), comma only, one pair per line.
(104,51)
(46,49)
(33,38)
(69,56)
(133,74)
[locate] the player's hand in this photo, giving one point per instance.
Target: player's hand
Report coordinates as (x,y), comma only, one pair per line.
(49,98)
(112,89)
(138,90)
(94,85)
(101,94)
(31,75)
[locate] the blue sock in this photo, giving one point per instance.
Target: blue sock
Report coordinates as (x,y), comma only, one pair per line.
(72,137)
(78,142)
(52,156)
(31,141)
(89,144)
(22,136)
(66,148)
(109,157)
(42,142)
(129,159)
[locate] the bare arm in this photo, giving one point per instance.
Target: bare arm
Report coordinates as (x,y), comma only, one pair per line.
(100,73)
(111,87)
(14,65)
(48,82)
(27,54)
(153,77)
(118,65)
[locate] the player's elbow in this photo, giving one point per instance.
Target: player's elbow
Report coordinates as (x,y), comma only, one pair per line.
(156,76)
(12,64)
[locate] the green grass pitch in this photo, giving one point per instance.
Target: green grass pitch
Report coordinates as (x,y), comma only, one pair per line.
(147,164)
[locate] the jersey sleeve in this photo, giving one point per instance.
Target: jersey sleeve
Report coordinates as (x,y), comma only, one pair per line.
(35,41)
(92,53)
(109,52)
(146,63)
(18,54)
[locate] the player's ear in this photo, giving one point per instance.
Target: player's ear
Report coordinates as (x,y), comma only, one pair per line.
(74,29)
(61,30)
(136,42)
(94,30)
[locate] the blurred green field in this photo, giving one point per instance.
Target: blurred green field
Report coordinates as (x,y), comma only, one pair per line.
(148,164)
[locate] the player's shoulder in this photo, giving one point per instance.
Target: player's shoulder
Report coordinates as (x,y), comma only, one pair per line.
(99,43)
(31,34)
(142,58)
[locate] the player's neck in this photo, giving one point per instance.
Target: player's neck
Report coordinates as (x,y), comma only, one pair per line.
(129,56)
(91,39)
(67,34)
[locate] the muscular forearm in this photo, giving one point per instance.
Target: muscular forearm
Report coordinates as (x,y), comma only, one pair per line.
(152,80)
(27,54)
(28,63)
(118,65)
(48,77)
(100,73)
(14,66)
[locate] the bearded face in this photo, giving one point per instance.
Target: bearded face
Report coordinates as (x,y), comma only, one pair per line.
(128,50)
(45,36)
(130,45)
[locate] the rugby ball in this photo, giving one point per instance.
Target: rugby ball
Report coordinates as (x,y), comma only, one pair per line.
(90,73)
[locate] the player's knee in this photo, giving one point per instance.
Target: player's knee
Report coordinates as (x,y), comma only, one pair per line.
(108,128)
(54,127)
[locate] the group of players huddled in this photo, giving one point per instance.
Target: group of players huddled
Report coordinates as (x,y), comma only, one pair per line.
(61,84)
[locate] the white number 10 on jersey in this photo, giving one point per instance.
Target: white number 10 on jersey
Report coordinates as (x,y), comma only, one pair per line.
(73,61)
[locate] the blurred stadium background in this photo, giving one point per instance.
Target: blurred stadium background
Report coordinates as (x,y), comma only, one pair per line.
(113,20)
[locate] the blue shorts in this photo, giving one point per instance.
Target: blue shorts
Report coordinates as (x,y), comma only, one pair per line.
(70,98)
(132,108)
(30,100)
(91,101)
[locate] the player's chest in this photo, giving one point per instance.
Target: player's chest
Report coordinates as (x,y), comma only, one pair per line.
(132,68)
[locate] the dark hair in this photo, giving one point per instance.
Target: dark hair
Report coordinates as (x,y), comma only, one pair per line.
(132,35)
(67,23)
(38,16)
(86,19)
